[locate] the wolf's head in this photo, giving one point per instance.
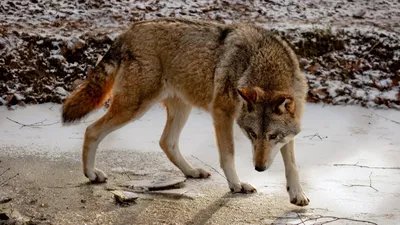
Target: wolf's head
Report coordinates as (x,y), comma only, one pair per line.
(269,120)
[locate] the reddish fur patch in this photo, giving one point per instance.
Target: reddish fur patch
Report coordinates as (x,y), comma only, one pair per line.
(88,97)
(251,95)
(281,102)
(261,156)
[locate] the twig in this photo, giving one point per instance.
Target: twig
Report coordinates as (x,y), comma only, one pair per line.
(370,183)
(315,135)
(363,185)
(4,182)
(123,169)
(33,125)
(65,187)
(334,218)
(216,171)
(302,221)
(369,167)
(393,121)
(5,171)
(330,221)
(376,44)
(24,125)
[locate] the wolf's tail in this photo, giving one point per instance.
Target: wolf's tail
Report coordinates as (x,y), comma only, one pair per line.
(89,96)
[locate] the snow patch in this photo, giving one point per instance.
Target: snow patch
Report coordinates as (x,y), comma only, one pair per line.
(19,97)
(61,91)
(392,94)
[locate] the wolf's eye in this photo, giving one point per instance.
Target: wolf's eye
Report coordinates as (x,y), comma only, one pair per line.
(252,134)
(273,136)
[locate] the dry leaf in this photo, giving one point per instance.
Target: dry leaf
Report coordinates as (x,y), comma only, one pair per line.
(314,67)
(320,93)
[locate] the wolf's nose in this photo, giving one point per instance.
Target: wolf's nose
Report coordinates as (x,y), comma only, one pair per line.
(260,168)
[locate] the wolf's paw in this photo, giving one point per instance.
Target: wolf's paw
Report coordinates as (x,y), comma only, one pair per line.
(242,187)
(297,195)
(198,173)
(96,176)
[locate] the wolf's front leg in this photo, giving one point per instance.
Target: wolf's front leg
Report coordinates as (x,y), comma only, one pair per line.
(293,186)
(223,125)
(177,115)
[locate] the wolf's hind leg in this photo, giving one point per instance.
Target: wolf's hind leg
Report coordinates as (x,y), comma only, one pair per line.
(177,115)
(118,115)
(293,186)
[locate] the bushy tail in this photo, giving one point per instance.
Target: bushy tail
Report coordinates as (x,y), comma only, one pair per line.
(91,95)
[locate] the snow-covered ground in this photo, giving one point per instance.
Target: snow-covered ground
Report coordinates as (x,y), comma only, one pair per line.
(331,135)
(349,50)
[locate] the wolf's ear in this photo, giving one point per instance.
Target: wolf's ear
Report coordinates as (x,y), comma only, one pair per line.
(251,95)
(248,94)
(284,103)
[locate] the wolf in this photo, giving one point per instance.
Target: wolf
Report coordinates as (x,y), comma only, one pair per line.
(237,72)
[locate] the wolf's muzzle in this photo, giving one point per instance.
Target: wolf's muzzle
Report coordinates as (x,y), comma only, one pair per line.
(260,168)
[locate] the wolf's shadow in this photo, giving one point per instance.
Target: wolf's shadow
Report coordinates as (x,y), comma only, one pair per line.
(205,214)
